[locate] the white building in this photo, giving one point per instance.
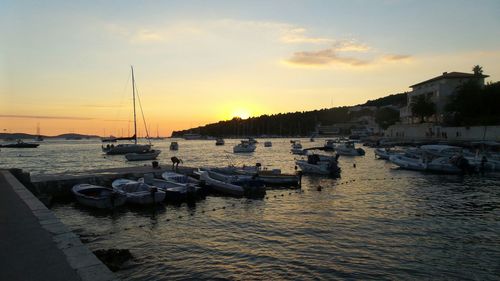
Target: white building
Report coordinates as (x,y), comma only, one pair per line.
(438,89)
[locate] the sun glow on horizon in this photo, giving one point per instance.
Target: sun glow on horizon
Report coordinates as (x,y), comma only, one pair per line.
(241,113)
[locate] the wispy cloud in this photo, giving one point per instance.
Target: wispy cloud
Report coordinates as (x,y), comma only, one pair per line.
(44,117)
(393,58)
(152,34)
(116,120)
(324,57)
(293,34)
(102,105)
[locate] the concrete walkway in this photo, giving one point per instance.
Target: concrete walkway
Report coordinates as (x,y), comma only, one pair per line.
(35,245)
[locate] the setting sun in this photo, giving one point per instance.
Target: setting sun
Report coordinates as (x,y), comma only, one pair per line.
(241,113)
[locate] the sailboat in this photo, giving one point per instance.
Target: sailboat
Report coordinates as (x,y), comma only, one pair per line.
(38,135)
(158,134)
(133,147)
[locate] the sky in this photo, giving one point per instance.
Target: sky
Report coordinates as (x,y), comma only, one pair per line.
(65,65)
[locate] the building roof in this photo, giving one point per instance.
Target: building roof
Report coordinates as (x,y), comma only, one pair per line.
(450,75)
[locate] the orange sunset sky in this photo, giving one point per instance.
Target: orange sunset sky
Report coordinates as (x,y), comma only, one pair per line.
(66,66)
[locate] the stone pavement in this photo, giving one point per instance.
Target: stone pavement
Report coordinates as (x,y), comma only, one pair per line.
(35,245)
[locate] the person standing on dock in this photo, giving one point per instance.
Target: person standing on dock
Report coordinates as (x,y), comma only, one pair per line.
(175,163)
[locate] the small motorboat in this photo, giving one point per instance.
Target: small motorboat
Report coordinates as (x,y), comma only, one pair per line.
(98,196)
(298,151)
(244,147)
(385,153)
(177,187)
(447,165)
(125,148)
(268,144)
(143,155)
(272,177)
(139,192)
(219,141)
(408,162)
(329,145)
(232,185)
(348,149)
(20,144)
(316,164)
(174,145)
(296,144)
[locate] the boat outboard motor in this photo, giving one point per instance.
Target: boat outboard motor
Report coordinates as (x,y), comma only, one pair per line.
(313,159)
(153,190)
(463,164)
(149,178)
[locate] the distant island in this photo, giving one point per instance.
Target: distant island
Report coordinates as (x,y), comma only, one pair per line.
(16,136)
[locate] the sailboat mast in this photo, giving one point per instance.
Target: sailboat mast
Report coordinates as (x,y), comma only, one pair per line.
(133,96)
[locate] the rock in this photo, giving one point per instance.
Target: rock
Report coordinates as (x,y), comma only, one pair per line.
(113,258)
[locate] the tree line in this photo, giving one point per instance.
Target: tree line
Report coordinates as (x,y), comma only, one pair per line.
(297,123)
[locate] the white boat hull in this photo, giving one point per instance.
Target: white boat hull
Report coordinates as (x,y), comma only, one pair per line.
(220,186)
(244,149)
(139,193)
(152,155)
(98,196)
(321,168)
(408,163)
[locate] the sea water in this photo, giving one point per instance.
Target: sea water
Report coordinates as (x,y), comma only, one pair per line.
(375,222)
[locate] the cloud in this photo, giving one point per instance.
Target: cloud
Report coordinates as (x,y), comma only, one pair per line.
(350,46)
(116,120)
(393,58)
(146,35)
(324,57)
(102,105)
(153,34)
(298,35)
(45,117)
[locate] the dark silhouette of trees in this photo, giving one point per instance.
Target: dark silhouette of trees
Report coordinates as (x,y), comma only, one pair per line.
(399,100)
(386,117)
(422,107)
(478,70)
(289,124)
(282,124)
(475,105)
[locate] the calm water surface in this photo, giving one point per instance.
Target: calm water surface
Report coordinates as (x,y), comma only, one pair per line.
(387,224)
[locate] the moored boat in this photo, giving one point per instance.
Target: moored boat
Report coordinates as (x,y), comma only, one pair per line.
(20,144)
(316,164)
(408,163)
(174,145)
(244,147)
(232,185)
(177,187)
(129,148)
(272,177)
(385,153)
(139,192)
(348,149)
(98,196)
(143,155)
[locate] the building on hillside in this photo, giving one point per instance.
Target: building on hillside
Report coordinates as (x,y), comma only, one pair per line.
(439,89)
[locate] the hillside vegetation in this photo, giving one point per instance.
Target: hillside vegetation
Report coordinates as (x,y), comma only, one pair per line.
(288,124)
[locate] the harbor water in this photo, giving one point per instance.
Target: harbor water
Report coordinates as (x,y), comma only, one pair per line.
(375,222)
